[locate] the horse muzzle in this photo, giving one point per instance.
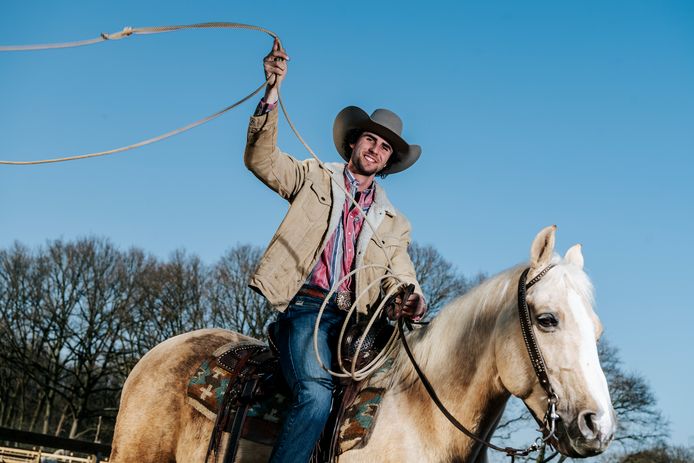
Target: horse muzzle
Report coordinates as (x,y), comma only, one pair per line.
(587,435)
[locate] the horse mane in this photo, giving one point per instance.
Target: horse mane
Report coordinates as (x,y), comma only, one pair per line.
(468,321)
(500,291)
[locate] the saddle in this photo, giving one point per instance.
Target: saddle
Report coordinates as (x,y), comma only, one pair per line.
(252,390)
(253,374)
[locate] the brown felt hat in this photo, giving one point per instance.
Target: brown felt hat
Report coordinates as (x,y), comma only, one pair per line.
(382,122)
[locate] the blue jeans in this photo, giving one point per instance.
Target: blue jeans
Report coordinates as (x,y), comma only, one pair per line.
(311,386)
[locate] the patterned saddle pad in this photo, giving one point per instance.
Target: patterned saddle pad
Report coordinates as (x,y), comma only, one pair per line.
(207,386)
(360,417)
(265,415)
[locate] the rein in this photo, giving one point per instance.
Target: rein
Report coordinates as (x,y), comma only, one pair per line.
(549,424)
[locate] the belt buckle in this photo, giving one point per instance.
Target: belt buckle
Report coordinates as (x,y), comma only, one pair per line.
(343,300)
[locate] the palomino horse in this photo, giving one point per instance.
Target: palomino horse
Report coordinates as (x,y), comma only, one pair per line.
(473,354)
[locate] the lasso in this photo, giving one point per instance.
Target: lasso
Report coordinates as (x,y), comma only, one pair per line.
(352,371)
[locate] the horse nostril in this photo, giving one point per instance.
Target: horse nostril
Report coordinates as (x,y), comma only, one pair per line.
(587,425)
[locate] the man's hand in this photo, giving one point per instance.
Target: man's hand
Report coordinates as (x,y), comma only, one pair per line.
(414,307)
(275,67)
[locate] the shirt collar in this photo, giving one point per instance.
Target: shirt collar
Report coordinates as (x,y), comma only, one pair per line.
(354,183)
(380,198)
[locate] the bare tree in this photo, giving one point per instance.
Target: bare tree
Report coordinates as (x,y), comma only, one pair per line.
(640,421)
(15,282)
(61,319)
(660,453)
(234,305)
(439,279)
(93,347)
(171,300)
(133,339)
(35,322)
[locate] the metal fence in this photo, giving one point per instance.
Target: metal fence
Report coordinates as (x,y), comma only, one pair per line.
(8,436)
(14,455)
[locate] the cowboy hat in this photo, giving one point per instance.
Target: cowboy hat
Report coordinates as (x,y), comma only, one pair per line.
(383,123)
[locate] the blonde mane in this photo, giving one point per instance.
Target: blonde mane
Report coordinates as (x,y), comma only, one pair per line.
(467,322)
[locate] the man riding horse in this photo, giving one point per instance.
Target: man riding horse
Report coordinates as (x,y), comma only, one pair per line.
(321,240)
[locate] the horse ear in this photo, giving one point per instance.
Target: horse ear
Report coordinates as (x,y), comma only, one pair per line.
(574,256)
(542,247)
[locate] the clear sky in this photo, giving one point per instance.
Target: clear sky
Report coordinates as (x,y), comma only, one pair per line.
(579,114)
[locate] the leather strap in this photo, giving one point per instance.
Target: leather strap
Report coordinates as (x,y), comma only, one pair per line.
(435,398)
(223,415)
(535,358)
(239,418)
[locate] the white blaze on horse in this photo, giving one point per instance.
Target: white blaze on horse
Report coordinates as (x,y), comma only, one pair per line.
(473,353)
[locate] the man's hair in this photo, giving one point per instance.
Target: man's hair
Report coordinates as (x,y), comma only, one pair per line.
(351,139)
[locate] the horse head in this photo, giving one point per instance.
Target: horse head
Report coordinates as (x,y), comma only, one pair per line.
(566,329)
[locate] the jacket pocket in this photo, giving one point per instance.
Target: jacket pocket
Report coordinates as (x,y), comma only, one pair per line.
(315,202)
(387,240)
(383,247)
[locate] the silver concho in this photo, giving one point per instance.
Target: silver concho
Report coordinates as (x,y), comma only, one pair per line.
(343,300)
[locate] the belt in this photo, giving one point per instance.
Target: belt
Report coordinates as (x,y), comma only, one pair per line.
(342,299)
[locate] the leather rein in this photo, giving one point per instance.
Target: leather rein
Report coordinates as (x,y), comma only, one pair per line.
(536,359)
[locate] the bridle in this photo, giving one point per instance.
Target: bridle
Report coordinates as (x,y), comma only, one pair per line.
(536,358)
(548,428)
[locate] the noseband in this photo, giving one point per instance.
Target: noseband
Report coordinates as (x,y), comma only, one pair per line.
(549,423)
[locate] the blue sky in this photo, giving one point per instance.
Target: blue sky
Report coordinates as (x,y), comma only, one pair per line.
(578,114)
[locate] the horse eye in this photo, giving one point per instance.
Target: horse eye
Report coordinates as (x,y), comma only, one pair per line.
(547,320)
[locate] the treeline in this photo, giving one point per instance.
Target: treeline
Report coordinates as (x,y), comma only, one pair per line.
(76,316)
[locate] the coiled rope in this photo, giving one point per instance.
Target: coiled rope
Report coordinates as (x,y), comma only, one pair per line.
(353,372)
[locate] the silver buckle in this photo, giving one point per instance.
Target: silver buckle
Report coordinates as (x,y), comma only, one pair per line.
(343,300)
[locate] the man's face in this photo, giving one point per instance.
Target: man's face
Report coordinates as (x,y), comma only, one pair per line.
(370,154)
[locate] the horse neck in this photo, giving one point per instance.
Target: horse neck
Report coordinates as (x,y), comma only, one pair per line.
(456,352)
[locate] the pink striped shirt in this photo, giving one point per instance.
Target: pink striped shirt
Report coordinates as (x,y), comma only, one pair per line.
(337,258)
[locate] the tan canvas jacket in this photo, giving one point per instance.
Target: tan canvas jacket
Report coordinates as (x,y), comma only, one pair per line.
(311,220)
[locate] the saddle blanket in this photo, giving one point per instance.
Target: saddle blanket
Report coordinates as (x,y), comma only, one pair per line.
(264,418)
(360,416)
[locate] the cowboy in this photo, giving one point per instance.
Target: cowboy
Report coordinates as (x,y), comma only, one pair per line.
(322,238)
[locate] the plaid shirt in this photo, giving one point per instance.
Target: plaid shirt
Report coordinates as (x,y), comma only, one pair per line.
(337,258)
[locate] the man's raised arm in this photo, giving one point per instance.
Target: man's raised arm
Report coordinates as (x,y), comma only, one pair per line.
(278,170)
